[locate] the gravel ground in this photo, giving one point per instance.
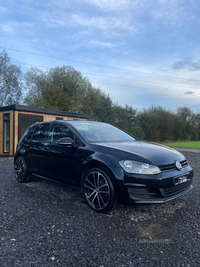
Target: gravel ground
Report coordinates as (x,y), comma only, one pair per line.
(47,224)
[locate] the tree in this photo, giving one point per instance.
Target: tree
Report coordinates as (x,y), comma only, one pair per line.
(10,81)
(157,123)
(61,88)
(105,111)
(185,113)
(188,121)
(198,126)
(125,118)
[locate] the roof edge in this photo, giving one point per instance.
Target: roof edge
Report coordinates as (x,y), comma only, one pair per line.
(45,111)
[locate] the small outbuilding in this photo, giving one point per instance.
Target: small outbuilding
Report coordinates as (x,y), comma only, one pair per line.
(15,119)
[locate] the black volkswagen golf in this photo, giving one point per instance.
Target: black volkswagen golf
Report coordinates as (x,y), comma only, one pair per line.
(109,165)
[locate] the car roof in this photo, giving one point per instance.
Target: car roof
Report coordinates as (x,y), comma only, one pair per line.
(81,122)
(71,122)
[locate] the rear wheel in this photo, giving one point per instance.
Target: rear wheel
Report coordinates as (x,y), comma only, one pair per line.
(99,191)
(21,172)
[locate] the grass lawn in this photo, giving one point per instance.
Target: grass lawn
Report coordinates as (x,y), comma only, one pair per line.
(194,144)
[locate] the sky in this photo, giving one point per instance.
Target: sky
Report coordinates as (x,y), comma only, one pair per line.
(140,52)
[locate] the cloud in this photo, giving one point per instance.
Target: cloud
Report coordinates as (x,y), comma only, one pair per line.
(103,23)
(104,44)
(186,63)
(166,1)
(61,3)
(6,28)
(173,13)
(2,9)
(111,26)
(113,5)
(189,93)
(55,22)
(27,1)
(102,5)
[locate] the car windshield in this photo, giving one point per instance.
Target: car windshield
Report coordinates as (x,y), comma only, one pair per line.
(101,132)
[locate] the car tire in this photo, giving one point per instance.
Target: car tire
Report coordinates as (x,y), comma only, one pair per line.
(99,191)
(21,171)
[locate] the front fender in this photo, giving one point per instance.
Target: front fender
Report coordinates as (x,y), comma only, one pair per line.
(105,162)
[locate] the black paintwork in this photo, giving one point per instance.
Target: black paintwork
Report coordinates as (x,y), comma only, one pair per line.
(68,163)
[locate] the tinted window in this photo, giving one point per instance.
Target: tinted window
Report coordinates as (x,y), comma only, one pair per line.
(24,136)
(30,132)
(40,132)
(59,131)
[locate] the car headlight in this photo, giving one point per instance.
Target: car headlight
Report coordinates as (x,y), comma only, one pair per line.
(131,166)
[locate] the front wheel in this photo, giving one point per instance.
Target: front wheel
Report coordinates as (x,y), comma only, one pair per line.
(21,172)
(99,191)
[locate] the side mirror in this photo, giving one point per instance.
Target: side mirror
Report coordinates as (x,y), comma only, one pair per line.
(65,141)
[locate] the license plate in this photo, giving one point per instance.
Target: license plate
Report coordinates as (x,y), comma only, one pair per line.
(180,180)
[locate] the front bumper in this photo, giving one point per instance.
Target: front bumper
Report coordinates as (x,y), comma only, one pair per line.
(157,188)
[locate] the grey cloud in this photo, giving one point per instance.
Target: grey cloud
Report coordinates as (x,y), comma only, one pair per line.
(187,63)
(189,93)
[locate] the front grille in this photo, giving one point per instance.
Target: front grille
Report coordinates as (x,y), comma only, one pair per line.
(172,166)
(170,191)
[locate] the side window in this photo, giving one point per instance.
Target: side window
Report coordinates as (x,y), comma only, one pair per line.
(24,136)
(59,131)
(30,133)
(40,132)
(78,141)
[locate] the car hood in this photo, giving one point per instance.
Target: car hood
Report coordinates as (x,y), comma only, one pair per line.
(155,153)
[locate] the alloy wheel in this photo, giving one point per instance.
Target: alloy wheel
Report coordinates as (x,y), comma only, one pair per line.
(20,169)
(97,190)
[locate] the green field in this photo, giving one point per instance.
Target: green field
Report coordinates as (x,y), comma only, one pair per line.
(194,144)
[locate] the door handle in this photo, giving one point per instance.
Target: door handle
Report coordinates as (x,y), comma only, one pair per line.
(46,148)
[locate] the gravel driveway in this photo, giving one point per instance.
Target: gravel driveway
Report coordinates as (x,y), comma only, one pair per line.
(47,224)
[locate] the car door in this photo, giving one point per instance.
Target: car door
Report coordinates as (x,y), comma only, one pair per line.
(62,162)
(36,148)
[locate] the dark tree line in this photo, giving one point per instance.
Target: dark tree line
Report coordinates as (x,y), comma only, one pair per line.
(152,124)
(64,88)
(159,124)
(10,81)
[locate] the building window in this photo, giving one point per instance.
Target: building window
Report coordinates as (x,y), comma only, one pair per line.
(6,133)
(25,120)
(58,118)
